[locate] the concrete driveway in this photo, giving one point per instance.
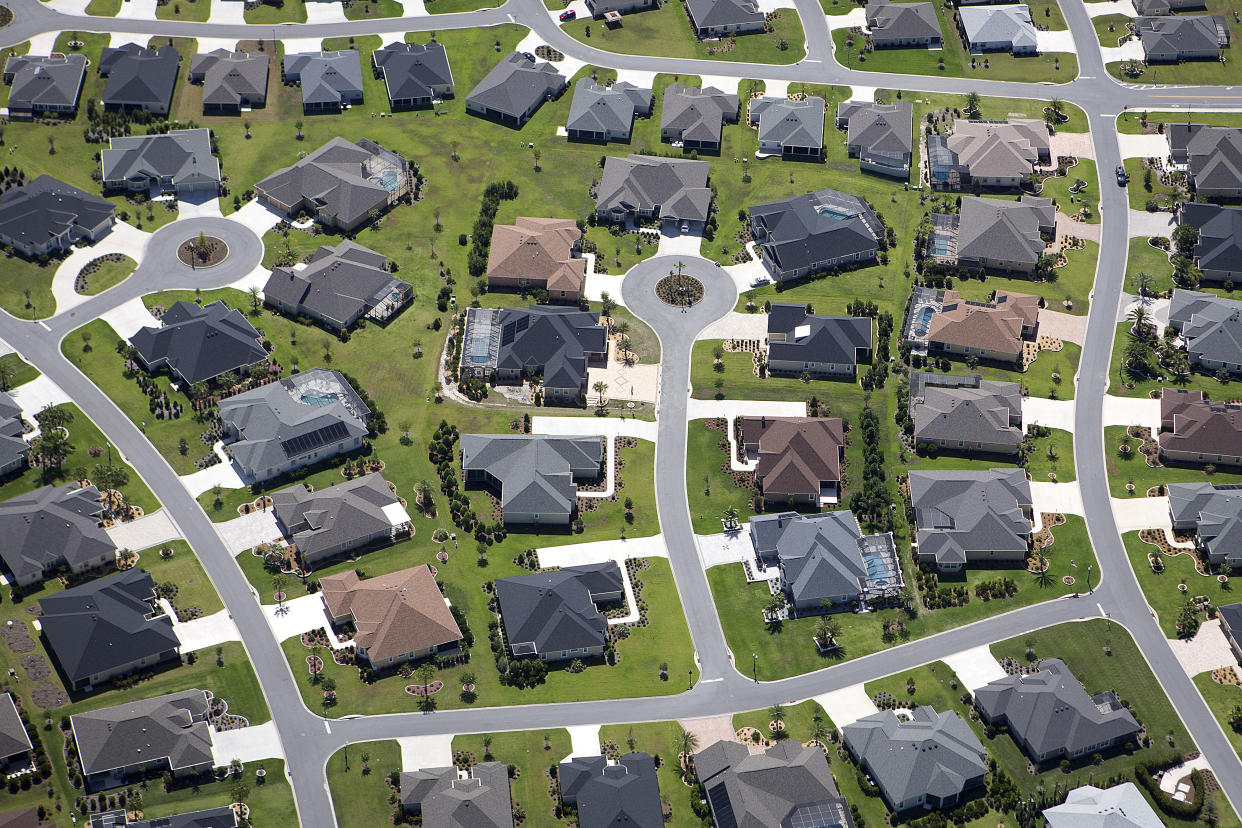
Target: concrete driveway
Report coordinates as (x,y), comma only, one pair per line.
(123,238)
(1145,224)
(725,547)
(705,409)
(1077,144)
(583,741)
(975,667)
(433,751)
(1048,413)
(736,325)
(248,531)
(36,395)
(201,633)
(129,318)
(1125,7)
(145,532)
(1062,41)
(592,426)
(1064,498)
(1138,512)
(577,554)
(1143,146)
(1205,652)
(223,474)
(1063,325)
(228,12)
(249,744)
(1129,411)
(847,705)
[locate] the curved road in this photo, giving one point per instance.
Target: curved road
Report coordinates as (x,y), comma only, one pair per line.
(309,739)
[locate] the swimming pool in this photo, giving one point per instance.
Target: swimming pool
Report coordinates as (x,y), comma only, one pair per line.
(317,398)
(922,318)
(388,180)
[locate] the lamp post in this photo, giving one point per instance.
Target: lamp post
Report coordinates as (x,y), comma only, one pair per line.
(1089,568)
(754,666)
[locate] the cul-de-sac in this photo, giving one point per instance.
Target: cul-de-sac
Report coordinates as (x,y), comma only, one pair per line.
(620,413)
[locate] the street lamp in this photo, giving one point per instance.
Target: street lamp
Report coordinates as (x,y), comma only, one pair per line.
(754,666)
(1089,568)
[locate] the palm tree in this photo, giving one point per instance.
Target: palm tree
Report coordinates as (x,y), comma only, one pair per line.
(422,489)
(827,629)
(1043,576)
(624,344)
(1138,356)
(1140,322)
(730,516)
(1145,282)
(819,730)
(256,297)
(775,606)
(600,388)
(687,743)
(776,717)
(8,371)
(279,581)
(1056,105)
(972,101)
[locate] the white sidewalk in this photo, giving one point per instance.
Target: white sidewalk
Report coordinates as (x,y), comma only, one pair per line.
(706,409)
(593,426)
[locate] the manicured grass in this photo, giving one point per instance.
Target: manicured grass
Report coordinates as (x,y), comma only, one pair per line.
(835,7)
(1122,469)
(104,8)
(23,372)
(1143,258)
(1110,28)
(644,344)
(450,6)
(1131,122)
(196,11)
(659,739)
(26,290)
(1189,73)
(787,649)
(369,9)
(1038,464)
(194,588)
(1140,193)
(1000,108)
(1221,700)
(108,275)
(711,497)
(290,11)
(360,787)
(1058,189)
(270,799)
(618,252)
(1161,589)
(1126,386)
(911,61)
(665,32)
(534,753)
(1073,282)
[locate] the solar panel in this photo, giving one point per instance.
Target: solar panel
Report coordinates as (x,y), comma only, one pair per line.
(818,815)
(722,808)
(306,443)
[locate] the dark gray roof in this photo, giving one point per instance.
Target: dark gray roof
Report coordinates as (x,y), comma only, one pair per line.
(544,612)
(447,801)
(326,77)
(834,339)
(708,14)
(336,178)
(612,795)
(200,343)
(169,727)
(339,284)
(1182,35)
(985,413)
(222,817)
(1210,325)
(12,441)
(893,21)
(335,517)
(677,187)
(412,70)
(1213,154)
(788,122)
(933,754)
(1121,806)
(139,76)
(1220,235)
(786,785)
(292,418)
(1232,615)
(516,84)
(993,228)
(229,77)
(105,624)
(1052,713)
(39,82)
(551,339)
(14,739)
(697,114)
(47,207)
(51,524)
(598,108)
(959,512)
(536,472)
(1217,512)
(184,155)
(879,129)
(826,225)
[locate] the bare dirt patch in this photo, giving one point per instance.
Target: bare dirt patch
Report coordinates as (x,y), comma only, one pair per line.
(47,695)
(17,636)
(36,667)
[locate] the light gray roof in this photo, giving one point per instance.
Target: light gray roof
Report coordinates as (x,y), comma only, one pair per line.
(612,795)
(993,228)
(1121,806)
(1210,325)
(1213,154)
(51,524)
(338,285)
(676,186)
(184,155)
(326,77)
(1052,713)
(39,82)
(536,472)
(1182,35)
(788,122)
(200,343)
(545,612)
(998,148)
(787,784)
(169,727)
(336,178)
(933,754)
(598,108)
(139,76)
(13,736)
(1217,513)
(697,114)
(806,230)
(959,512)
(894,21)
(1220,235)
(709,14)
(334,517)
(983,413)
(446,801)
(999,24)
(810,338)
(47,207)
(879,129)
(516,84)
(413,70)
(229,77)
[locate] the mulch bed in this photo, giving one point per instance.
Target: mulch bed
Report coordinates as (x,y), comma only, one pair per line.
(314,664)
(679,291)
(36,667)
(419,690)
(17,636)
(188,256)
(47,695)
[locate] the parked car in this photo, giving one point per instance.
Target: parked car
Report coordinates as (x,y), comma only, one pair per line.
(685,227)
(568,14)
(1123,177)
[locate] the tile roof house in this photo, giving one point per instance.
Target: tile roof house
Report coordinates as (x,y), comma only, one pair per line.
(1218,253)
(722,18)
(1121,806)
(515,89)
(825,561)
(41,84)
(1196,430)
(13,446)
(338,519)
(197,344)
(813,233)
(330,80)
(598,8)
(787,784)
(994,154)
(398,617)
(1230,617)
(1190,37)
(338,287)
(894,25)
(232,81)
(139,78)
(414,74)
(294,422)
(799,457)
(535,476)
(694,117)
(1002,235)
(822,346)
(51,527)
(1052,717)
(1212,155)
(966,518)
(47,215)
(554,614)
(968,414)
(107,628)
(611,793)
(342,184)
(179,161)
(788,127)
(166,732)
(1210,327)
(640,187)
(537,254)
(929,762)
(15,746)
(879,135)
(999,29)
(606,113)
(444,799)
(992,330)
(1214,515)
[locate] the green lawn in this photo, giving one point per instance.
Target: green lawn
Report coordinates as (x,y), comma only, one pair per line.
(358,779)
(194,588)
(1131,123)
(1039,463)
(1188,73)
(711,497)
(1140,193)
(1123,469)
(1221,700)
(26,290)
(104,8)
(196,11)
(534,753)
(1058,189)
(289,11)
(23,372)
(109,274)
(617,252)
(1110,28)
(665,32)
(450,6)
(1073,282)
(1162,590)
(1126,386)
(1143,258)
(270,799)
(368,9)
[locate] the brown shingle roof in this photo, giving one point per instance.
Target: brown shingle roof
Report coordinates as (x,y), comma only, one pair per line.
(795,453)
(398,613)
(1194,424)
(995,325)
(537,249)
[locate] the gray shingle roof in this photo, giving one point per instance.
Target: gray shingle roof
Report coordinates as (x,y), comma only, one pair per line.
(697,114)
(445,801)
(105,624)
(50,525)
(676,187)
(229,78)
(1210,325)
(709,14)
(326,78)
(516,84)
(1121,806)
(1216,512)
(999,24)
(902,21)
(1213,154)
(138,76)
(200,343)
(545,612)
(598,108)
(808,338)
(13,444)
(413,70)
(957,513)
(338,285)
(992,228)
(334,517)
(536,473)
(169,727)
(553,340)
(184,155)
(13,736)
(626,793)
(984,412)
(788,122)
(337,178)
(994,149)
(222,817)
(1051,713)
(934,754)
(1188,34)
(40,82)
(883,130)
(804,231)
(46,207)
(1220,236)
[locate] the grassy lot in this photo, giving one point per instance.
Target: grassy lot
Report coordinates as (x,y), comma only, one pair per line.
(659,739)
(1039,462)
(1161,589)
(360,787)
(23,372)
(104,8)
(194,588)
(196,11)
(1070,203)
(1122,469)
(1140,193)
(1143,258)
(665,32)
(109,275)
(834,7)
(1126,386)
(290,11)
(1221,700)
(1189,73)
(450,6)
(1110,28)
(711,489)
(1131,123)
(617,252)
(786,649)
(26,290)
(665,640)
(534,753)
(368,9)
(1073,283)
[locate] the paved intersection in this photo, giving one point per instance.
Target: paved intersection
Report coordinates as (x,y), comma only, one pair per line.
(308,740)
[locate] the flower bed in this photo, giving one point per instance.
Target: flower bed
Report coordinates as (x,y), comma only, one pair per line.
(430,690)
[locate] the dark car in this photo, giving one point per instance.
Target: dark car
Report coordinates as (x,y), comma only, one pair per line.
(1123,177)
(569,14)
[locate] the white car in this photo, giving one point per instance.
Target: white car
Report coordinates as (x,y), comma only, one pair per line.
(685,227)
